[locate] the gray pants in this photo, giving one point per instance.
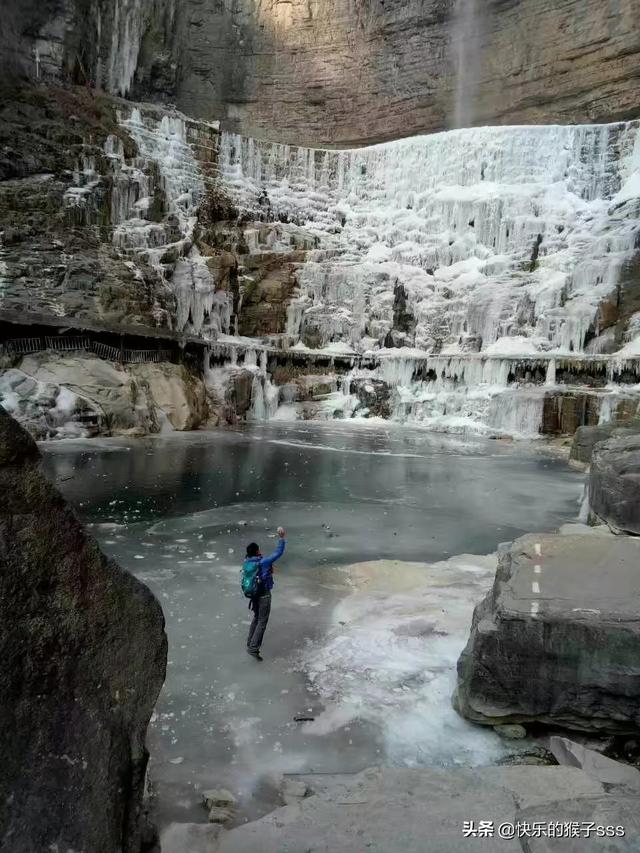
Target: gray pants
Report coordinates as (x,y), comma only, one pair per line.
(261,610)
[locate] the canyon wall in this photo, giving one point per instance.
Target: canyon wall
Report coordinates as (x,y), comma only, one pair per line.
(342,72)
(356,71)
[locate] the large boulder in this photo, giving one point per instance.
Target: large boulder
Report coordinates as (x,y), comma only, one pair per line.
(108,388)
(56,395)
(178,395)
(614,483)
(586,438)
(557,640)
(83,652)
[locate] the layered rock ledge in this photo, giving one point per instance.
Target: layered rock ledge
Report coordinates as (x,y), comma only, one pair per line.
(339,72)
(426,810)
(84,654)
(557,640)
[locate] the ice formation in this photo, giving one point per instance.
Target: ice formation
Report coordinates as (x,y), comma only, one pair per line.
(467,251)
(154,212)
(466,270)
(162,143)
(394,666)
(128,25)
(491,232)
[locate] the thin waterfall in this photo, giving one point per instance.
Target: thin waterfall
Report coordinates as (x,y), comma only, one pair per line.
(467,50)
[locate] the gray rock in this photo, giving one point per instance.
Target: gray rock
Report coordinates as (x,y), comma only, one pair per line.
(55,395)
(293,790)
(425,810)
(618,812)
(239,392)
(84,655)
(614,483)
(586,438)
(598,766)
(219,814)
(190,838)
(218,797)
(560,646)
(512,732)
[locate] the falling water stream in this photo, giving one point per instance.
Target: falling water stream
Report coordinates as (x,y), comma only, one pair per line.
(467,52)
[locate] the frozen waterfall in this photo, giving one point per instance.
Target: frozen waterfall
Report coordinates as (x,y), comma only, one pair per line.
(154,203)
(490,233)
(476,247)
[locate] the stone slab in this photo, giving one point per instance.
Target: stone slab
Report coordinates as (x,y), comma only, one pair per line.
(412,811)
(581,577)
(598,766)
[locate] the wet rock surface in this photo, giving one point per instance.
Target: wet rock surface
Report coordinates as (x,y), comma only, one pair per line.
(426,809)
(614,483)
(557,640)
(587,437)
(238,393)
(84,655)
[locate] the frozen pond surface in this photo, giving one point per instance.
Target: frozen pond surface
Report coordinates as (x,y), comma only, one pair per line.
(369,652)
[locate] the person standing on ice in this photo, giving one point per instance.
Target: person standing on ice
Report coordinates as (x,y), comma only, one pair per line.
(257,583)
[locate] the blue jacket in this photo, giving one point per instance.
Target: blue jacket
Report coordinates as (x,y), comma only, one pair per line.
(266,566)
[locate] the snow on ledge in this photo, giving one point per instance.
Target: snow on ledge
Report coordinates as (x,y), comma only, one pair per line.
(516,345)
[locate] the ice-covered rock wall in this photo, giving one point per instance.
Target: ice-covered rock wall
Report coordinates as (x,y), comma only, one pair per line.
(154,200)
(474,248)
(472,236)
(162,230)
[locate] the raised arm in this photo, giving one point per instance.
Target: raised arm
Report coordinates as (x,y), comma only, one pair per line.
(267,562)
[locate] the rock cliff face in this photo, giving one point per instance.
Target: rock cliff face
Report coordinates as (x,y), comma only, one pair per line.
(106,301)
(453,269)
(344,72)
(97,209)
(84,654)
(348,73)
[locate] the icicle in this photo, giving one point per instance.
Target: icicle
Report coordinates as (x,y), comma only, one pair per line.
(551,372)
